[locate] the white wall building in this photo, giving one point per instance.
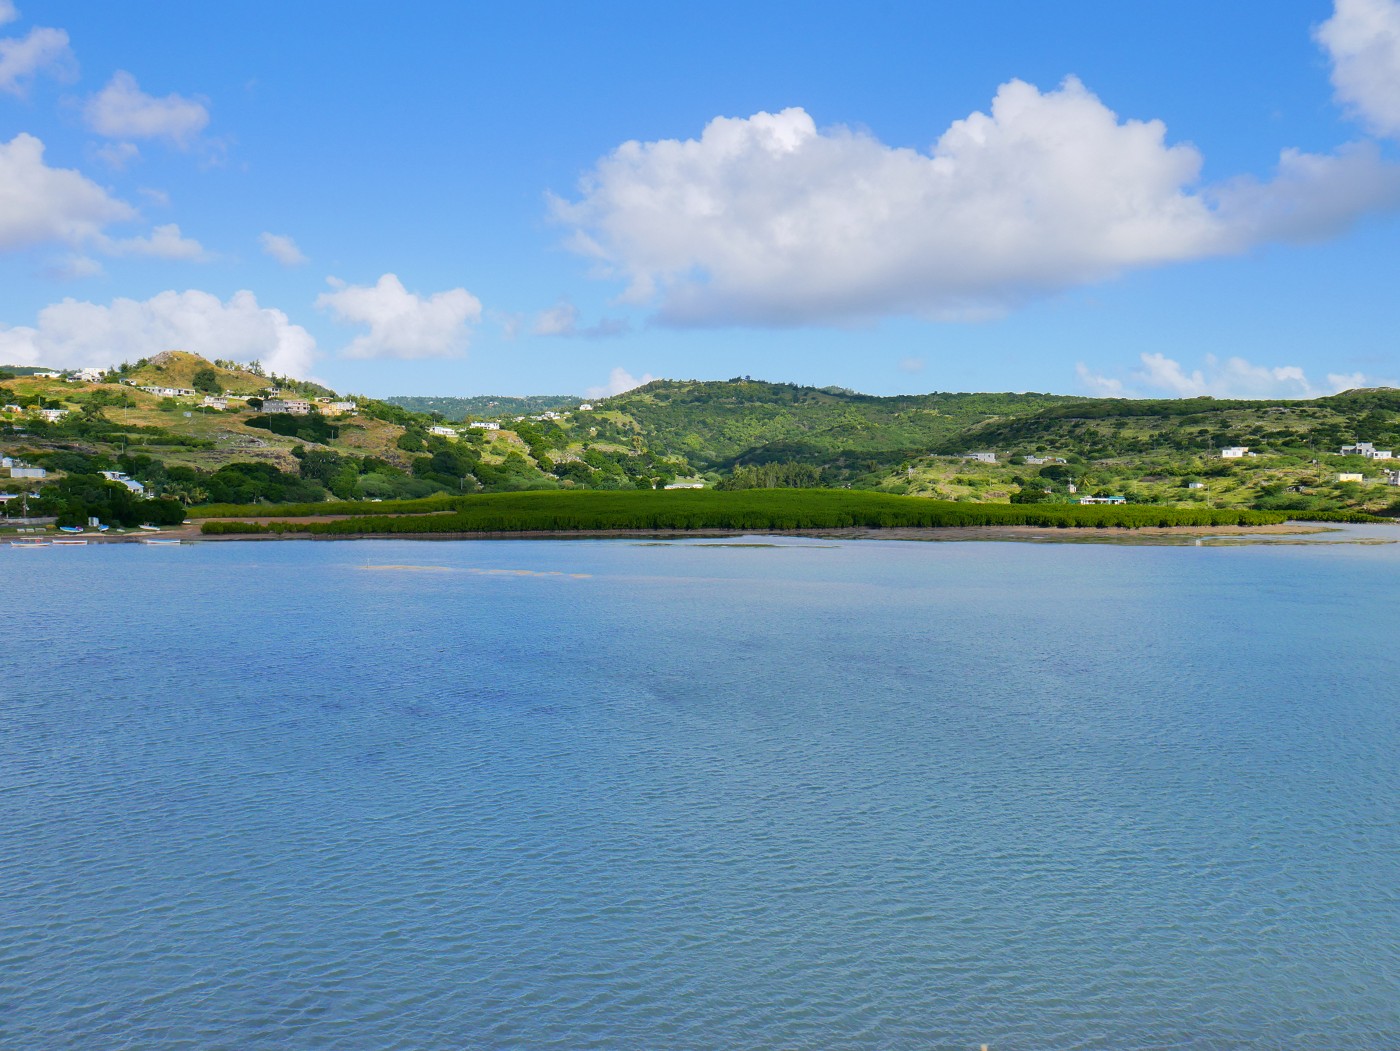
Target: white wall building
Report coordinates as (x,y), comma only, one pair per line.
(131,483)
(1368,450)
(1236,452)
(293,406)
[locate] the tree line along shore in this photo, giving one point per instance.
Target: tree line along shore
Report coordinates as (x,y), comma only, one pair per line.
(754,509)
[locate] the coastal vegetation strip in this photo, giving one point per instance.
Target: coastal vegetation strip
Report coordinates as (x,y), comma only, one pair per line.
(547,512)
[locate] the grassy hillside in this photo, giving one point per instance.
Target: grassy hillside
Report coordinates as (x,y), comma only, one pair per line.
(1107,427)
(176,368)
(720,425)
(740,434)
(486,406)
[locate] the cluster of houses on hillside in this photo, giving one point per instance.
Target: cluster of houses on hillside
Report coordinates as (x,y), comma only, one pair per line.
(1366,449)
(494,425)
(48,415)
(992,458)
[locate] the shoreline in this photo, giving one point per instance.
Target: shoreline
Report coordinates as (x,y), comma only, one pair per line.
(1287,532)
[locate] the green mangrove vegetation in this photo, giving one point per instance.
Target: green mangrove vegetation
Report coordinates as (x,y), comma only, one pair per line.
(756,509)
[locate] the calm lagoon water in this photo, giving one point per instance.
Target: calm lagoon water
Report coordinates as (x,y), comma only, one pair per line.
(601,794)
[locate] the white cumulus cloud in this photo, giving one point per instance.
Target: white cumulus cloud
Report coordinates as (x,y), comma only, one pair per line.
(40,204)
(41,50)
(1233,377)
(74,334)
(403,324)
(282,248)
(619,382)
(1362,38)
(121,110)
(8,13)
(771,220)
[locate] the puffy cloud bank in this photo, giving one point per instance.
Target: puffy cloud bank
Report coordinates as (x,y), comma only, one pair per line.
(403,324)
(771,220)
(1362,38)
(73,334)
(44,205)
(1232,378)
(40,204)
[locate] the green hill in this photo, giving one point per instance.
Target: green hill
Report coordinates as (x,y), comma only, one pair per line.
(736,434)
(181,369)
(721,425)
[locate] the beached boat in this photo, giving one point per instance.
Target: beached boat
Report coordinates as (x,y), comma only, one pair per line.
(29,541)
(151,528)
(74,541)
(153,541)
(70,529)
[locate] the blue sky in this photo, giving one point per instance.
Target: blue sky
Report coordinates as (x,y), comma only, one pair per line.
(1089,197)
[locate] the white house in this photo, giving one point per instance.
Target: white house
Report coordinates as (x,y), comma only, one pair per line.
(981,457)
(1367,450)
(446,432)
(90,375)
(1103,499)
(585,407)
(28,472)
(131,483)
(1195,485)
(1392,477)
(686,485)
(212,402)
(52,415)
(485,425)
(292,406)
(1236,452)
(1350,476)
(1043,459)
(168,392)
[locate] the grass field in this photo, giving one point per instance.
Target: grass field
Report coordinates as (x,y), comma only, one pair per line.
(706,509)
